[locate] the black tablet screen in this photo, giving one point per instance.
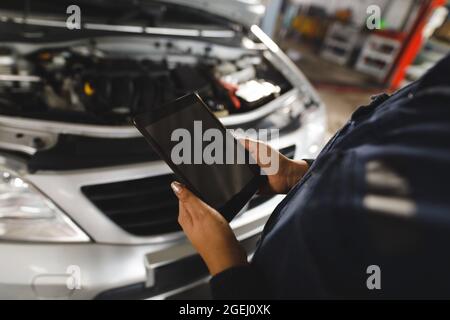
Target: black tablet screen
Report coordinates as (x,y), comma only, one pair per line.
(206,155)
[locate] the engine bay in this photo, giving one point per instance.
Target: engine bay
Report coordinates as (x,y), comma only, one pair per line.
(86,84)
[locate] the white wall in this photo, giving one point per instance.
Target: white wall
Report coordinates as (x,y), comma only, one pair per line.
(394,17)
(397,13)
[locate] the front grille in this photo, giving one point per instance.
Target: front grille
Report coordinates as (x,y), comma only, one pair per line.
(144,207)
(141,207)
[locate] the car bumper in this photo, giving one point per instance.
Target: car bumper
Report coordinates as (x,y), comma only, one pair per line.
(116,265)
(92,270)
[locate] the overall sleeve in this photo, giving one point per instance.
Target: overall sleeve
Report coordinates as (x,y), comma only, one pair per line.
(239,283)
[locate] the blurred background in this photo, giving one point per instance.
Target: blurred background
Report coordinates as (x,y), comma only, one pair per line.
(333,44)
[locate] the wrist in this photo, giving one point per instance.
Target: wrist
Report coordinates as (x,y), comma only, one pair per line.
(298,169)
(216,269)
(229,256)
(225,262)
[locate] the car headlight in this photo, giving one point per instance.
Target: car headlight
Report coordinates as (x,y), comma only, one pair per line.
(27,215)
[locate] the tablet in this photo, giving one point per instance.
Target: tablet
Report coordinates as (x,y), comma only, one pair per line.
(202,153)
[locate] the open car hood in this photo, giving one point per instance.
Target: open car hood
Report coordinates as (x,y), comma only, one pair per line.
(245,12)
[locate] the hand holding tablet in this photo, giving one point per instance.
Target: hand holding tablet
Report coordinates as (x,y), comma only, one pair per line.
(202,153)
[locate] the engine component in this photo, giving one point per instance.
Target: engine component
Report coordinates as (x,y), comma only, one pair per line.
(84,84)
(240,76)
(253,91)
(245,89)
(14,71)
(6,61)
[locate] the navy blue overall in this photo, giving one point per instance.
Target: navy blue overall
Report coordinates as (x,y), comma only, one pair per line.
(376,202)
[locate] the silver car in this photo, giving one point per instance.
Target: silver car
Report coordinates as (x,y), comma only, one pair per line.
(86,209)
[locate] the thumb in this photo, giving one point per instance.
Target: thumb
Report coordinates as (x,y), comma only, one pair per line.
(251,146)
(189,200)
(180,191)
(260,151)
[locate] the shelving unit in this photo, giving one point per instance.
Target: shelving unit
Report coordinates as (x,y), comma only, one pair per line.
(378,55)
(340,42)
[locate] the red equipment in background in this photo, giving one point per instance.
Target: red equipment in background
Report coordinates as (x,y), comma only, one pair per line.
(412,43)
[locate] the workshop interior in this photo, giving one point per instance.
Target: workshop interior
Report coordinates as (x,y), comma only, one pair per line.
(86,206)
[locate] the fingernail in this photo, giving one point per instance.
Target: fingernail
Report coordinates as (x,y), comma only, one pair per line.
(176,187)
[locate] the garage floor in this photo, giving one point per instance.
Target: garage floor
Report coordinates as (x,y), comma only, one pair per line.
(342,89)
(341,104)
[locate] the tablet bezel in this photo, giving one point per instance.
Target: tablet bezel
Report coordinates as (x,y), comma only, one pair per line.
(238,201)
